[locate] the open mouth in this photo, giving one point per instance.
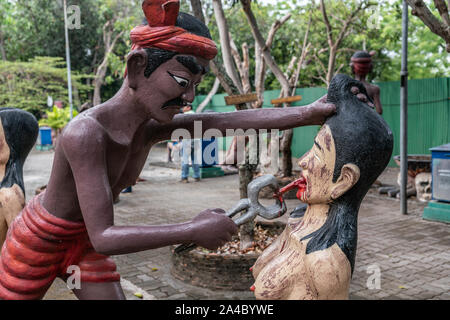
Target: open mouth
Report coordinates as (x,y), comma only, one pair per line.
(175,103)
(300,184)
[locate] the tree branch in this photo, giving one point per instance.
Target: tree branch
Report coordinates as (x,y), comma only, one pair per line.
(347,24)
(324,70)
(214,65)
(339,69)
(2,45)
(246,5)
(274,28)
(327,23)
(225,44)
(198,10)
(443,11)
(420,9)
(210,95)
(260,63)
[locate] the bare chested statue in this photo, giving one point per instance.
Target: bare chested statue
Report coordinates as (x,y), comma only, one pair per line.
(361,64)
(104,149)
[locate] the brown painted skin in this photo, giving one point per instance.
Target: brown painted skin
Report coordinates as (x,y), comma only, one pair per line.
(373,91)
(284,270)
(104,149)
(12,200)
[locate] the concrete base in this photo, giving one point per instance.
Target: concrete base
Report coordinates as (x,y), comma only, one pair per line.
(437,211)
(209,172)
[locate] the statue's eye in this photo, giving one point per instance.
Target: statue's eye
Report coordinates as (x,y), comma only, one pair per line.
(182,82)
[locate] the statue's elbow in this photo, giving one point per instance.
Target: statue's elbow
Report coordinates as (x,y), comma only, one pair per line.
(101,244)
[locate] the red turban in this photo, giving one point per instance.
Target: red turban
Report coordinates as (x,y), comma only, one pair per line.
(162,33)
(362,66)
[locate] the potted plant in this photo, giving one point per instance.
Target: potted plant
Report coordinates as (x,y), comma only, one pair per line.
(57,119)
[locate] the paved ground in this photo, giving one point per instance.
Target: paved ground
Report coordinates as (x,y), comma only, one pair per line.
(411,255)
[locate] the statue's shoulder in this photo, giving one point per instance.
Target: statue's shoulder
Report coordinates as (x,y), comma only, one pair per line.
(374,87)
(83,133)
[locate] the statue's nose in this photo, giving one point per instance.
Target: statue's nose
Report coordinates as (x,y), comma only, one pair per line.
(189,96)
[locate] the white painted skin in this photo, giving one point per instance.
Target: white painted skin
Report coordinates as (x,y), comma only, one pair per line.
(284,271)
(12,200)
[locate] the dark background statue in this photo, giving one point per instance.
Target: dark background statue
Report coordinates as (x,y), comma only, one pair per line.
(361,64)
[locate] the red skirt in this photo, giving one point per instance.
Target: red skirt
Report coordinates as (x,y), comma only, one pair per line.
(40,247)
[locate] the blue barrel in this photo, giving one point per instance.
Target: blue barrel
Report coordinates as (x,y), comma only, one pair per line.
(210,153)
(45,136)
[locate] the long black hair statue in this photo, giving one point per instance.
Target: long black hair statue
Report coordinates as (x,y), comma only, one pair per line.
(18,133)
(314,258)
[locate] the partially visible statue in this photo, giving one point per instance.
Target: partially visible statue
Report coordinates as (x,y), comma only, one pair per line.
(18,132)
(361,64)
(423,186)
(314,257)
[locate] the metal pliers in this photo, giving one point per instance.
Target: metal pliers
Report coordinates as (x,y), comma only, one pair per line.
(252,206)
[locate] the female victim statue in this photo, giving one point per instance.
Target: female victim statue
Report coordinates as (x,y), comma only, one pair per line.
(18,133)
(315,255)
(103,151)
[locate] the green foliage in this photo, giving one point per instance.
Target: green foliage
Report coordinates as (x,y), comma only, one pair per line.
(33,28)
(377,28)
(427,57)
(36,28)
(57,118)
(26,85)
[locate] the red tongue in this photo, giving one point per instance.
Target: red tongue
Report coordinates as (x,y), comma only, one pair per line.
(299,183)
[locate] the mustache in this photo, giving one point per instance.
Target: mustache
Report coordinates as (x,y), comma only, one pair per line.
(177,102)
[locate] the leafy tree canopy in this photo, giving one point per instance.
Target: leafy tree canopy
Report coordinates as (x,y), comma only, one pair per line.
(26,85)
(31,28)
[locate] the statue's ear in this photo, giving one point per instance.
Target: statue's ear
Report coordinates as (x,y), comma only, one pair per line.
(349,177)
(136,63)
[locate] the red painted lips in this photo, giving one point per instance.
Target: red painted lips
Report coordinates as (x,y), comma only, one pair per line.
(300,184)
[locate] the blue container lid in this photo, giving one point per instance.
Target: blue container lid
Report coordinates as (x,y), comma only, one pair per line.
(45,128)
(444,147)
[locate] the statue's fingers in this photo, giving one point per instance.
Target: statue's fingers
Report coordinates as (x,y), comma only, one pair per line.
(354,90)
(362,97)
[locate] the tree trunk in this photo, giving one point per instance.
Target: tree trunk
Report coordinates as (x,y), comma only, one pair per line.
(246,5)
(98,82)
(215,66)
(331,65)
(2,46)
(198,10)
(286,160)
(260,75)
(210,95)
(226,44)
(246,172)
(110,43)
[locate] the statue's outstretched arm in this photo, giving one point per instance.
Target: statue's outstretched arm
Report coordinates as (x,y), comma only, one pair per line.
(269,118)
